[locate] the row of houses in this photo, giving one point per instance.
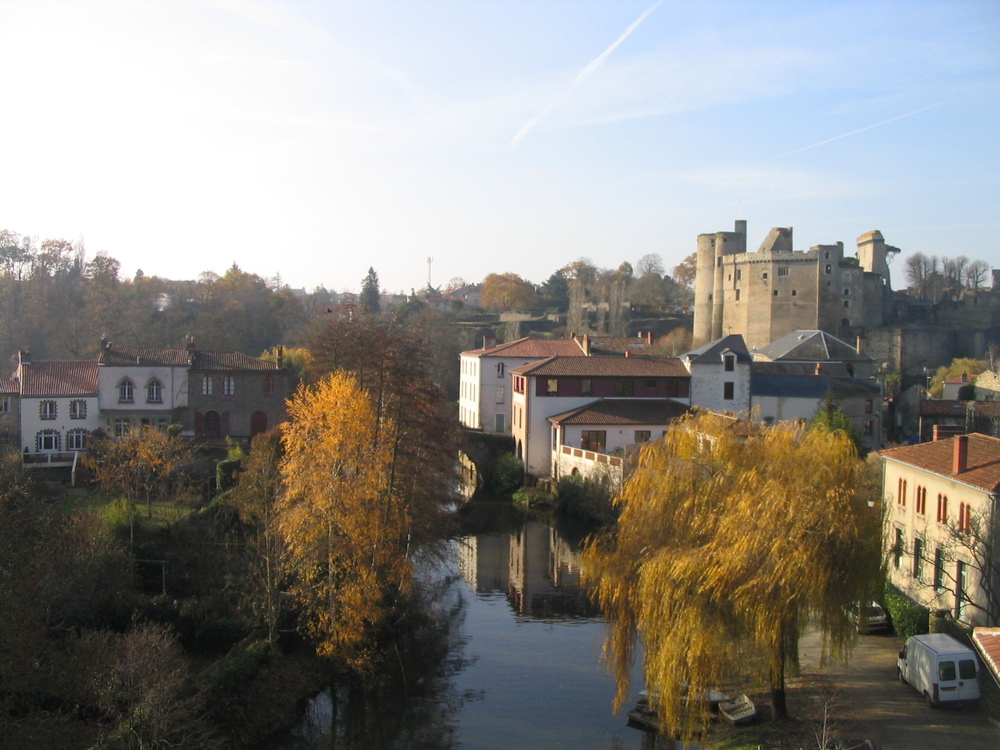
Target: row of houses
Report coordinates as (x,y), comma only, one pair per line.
(595,398)
(52,407)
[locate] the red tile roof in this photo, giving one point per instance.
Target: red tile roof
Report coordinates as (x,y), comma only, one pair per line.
(623,367)
(9,385)
(625,411)
(983,463)
(529,347)
(987,641)
(123,356)
(59,378)
(951,408)
(230,361)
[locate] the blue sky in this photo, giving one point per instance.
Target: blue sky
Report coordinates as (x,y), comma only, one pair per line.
(312,140)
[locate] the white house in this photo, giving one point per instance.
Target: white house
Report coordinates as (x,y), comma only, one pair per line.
(941,503)
(141,386)
(559,384)
(720,375)
(58,409)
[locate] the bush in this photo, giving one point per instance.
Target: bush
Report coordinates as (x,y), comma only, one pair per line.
(908,617)
(507,476)
(582,497)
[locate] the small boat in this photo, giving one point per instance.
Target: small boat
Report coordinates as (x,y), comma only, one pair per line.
(739,710)
(644,717)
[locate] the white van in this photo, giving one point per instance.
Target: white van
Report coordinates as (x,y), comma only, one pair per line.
(940,668)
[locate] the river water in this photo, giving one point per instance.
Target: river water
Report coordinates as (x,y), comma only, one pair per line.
(521,666)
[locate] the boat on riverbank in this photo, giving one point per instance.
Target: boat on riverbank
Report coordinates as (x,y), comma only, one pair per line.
(739,710)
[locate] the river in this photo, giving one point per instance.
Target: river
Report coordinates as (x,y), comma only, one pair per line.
(521,667)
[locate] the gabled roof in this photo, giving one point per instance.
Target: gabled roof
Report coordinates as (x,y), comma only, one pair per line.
(530,347)
(230,361)
(623,411)
(800,368)
(10,386)
(941,407)
(983,461)
(711,353)
(621,367)
(811,386)
(811,346)
(616,345)
(123,356)
(59,378)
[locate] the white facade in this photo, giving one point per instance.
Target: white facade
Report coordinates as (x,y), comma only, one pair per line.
(56,423)
(140,394)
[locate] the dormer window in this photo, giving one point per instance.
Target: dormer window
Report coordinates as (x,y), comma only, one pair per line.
(126,391)
(730,362)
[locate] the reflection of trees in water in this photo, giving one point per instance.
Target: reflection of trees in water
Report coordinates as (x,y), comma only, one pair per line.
(413,702)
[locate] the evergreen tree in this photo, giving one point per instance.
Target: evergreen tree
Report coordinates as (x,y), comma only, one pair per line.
(369,293)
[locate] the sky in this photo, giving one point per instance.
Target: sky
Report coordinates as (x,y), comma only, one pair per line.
(451,139)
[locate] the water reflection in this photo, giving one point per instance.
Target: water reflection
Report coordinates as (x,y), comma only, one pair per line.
(507,656)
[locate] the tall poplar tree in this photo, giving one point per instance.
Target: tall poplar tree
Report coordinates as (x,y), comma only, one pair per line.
(727,544)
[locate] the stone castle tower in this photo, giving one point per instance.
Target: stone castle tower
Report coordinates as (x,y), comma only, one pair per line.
(767,294)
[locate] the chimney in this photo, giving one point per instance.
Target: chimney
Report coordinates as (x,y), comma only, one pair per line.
(190,345)
(960,455)
(586,344)
(489,340)
(649,338)
(965,377)
(280,358)
(819,368)
(628,353)
(861,340)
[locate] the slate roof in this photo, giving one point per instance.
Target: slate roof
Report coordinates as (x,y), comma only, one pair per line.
(616,345)
(800,368)
(59,378)
(811,346)
(811,386)
(622,367)
(711,353)
(983,470)
(530,347)
(623,411)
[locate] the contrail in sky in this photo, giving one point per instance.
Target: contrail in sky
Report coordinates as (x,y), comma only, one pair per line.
(584,74)
(862,130)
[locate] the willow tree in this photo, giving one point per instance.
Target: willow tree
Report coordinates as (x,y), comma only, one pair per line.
(727,544)
(345,530)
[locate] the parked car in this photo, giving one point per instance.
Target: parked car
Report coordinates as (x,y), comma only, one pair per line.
(871,618)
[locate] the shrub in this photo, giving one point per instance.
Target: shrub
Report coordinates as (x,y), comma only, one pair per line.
(507,476)
(582,497)
(908,617)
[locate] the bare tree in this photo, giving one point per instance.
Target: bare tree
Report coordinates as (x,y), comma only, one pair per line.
(976,273)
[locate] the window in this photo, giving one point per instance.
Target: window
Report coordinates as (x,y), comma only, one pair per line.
(47,441)
(519,385)
(795,292)
(126,391)
(642,436)
(154,392)
(267,386)
(737,295)
(212,425)
(501,394)
(727,391)
(918,558)
(47,409)
(961,589)
(938,569)
(775,292)
(869,427)
(585,387)
(623,388)
(764,275)
(967,669)
(739,274)
(846,291)
(946,671)
(964,513)
(498,423)
(673,388)
(828,268)
(501,370)
(921,500)
(782,270)
(942,508)
(898,548)
(75,440)
(122,426)
(4,404)
(77,409)
(869,406)
(593,440)
(847,303)
(901,493)
(730,362)
(552,387)
(206,385)
(229,386)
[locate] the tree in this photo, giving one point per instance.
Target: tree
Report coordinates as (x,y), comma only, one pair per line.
(507,291)
(959,366)
(255,496)
(650,263)
(556,289)
(725,546)
(686,270)
(831,417)
(976,273)
(369,297)
(344,527)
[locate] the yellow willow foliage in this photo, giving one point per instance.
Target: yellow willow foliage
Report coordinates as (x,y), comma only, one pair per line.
(725,546)
(345,532)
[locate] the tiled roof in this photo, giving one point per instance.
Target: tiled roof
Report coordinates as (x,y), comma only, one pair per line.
(711,353)
(122,356)
(529,347)
(617,345)
(987,641)
(983,461)
(59,378)
(9,385)
(799,368)
(812,346)
(811,386)
(941,408)
(230,361)
(623,411)
(621,367)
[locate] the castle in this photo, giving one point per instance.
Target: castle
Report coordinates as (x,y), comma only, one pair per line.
(767,294)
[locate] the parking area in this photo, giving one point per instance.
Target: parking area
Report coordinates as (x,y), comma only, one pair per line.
(866,700)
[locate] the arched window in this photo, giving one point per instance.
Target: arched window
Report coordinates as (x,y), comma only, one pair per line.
(126,391)
(212,425)
(206,385)
(154,392)
(229,386)
(258,423)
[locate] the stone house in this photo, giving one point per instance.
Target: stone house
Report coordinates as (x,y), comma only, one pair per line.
(940,508)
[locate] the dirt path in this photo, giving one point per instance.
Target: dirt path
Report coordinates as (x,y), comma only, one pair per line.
(866,701)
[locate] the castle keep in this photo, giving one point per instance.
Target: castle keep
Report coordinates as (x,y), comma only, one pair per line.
(767,294)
